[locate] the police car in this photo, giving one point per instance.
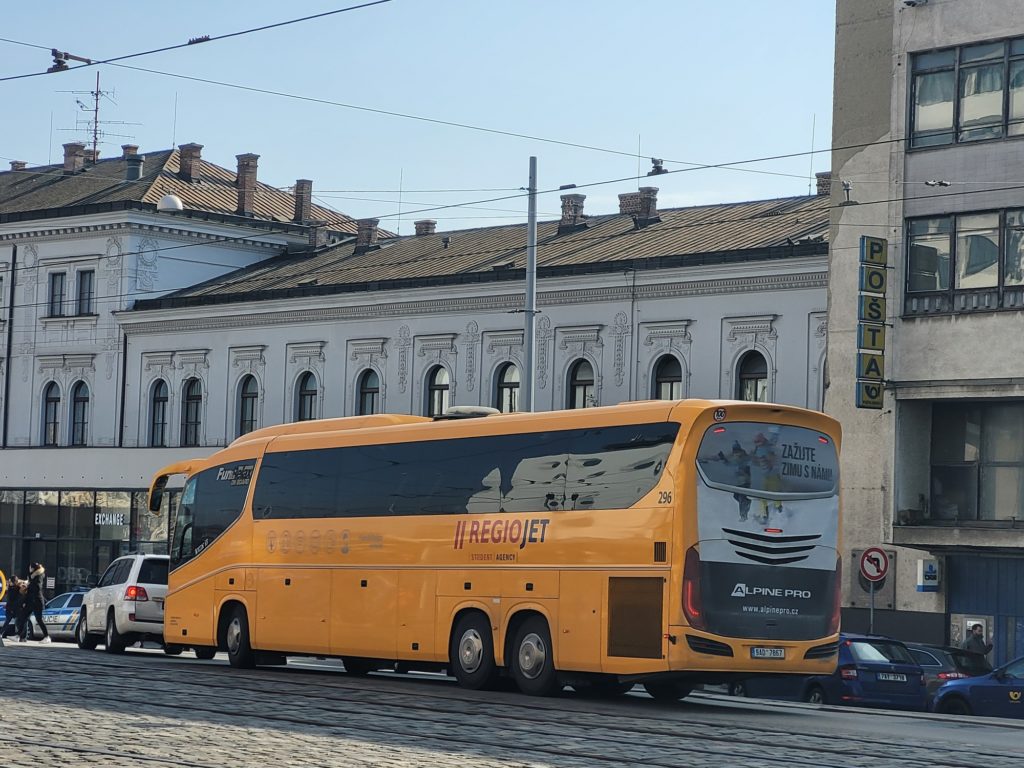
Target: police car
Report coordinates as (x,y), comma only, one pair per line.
(1000,693)
(60,615)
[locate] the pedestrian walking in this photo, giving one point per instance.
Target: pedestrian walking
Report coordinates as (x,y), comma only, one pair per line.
(34,600)
(975,642)
(15,597)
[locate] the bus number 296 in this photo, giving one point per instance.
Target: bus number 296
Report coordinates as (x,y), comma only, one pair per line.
(665,497)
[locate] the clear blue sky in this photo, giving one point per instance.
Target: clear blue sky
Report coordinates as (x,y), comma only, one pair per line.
(700,81)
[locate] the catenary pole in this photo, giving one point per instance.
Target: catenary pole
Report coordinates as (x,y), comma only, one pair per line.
(529,335)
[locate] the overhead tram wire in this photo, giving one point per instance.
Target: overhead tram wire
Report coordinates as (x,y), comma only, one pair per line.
(190,43)
(694,225)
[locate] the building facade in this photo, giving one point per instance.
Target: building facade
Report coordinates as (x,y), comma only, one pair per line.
(80,242)
(929,119)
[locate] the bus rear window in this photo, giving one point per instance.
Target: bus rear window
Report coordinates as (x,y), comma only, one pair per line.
(770,458)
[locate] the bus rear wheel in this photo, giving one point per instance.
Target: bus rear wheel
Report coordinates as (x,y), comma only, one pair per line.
(533,662)
(236,638)
(471,652)
(668,690)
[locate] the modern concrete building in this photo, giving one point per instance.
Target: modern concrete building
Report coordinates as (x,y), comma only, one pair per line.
(79,242)
(927,156)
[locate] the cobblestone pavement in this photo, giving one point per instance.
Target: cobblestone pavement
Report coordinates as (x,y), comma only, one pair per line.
(66,707)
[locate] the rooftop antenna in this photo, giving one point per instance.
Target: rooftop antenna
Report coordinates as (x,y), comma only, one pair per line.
(401,180)
(810,171)
(93,124)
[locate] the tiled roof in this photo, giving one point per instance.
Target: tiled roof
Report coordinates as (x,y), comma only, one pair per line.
(780,228)
(46,188)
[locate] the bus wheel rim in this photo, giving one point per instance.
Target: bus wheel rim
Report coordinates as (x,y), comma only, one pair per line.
(533,656)
(471,651)
(234,636)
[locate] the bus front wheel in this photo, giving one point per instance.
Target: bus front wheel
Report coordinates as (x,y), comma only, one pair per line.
(236,638)
(533,662)
(471,652)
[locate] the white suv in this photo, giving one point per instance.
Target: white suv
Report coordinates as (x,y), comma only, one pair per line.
(127,605)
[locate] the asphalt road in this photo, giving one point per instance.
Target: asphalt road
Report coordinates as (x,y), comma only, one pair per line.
(64,707)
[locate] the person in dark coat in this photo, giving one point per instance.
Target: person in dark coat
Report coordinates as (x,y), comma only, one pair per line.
(13,606)
(34,600)
(975,642)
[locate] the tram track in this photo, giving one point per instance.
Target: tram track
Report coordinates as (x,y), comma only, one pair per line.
(452,714)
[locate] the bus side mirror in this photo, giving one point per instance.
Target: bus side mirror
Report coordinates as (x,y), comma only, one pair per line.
(156,496)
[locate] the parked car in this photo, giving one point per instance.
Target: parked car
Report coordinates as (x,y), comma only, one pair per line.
(60,614)
(942,663)
(127,605)
(999,693)
(872,671)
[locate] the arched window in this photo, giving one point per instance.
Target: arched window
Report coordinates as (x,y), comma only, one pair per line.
(581,385)
(80,413)
(668,379)
(51,414)
(248,395)
(307,397)
(752,378)
(191,413)
(438,391)
(508,388)
(158,415)
(369,393)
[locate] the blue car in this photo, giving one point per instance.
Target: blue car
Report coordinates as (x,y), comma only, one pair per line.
(1000,693)
(60,614)
(872,671)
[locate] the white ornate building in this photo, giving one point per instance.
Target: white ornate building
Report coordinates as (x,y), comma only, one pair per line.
(80,242)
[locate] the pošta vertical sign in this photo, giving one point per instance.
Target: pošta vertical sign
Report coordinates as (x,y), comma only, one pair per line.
(874,280)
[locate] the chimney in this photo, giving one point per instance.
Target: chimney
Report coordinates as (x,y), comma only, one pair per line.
(425,227)
(133,167)
(189,156)
(366,235)
(572,213)
(303,200)
(649,205)
(246,183)
(629,203)
(18,165)
(642,205)
(74,157)
(824,183)
(92,156)
(129,150)
(317,234)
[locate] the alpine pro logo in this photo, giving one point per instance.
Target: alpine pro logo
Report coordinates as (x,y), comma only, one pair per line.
(742,590)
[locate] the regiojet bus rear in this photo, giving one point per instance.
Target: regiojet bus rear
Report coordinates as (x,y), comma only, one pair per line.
(761,567)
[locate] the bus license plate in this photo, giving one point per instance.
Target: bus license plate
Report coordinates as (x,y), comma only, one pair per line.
(767,653)
(892,677)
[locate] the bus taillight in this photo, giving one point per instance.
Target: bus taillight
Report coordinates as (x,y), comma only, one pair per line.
(837,597)
(692,604)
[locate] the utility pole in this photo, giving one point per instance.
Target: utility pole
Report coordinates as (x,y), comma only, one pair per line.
(530,335)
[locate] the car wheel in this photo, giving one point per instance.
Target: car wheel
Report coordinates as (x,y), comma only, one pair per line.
(955,705)
(114,641)
(533,660)
(85,641)
(173,650)
(236,638)
(205,652)
(815,695)
(471,652)
(668,690)
(738,688)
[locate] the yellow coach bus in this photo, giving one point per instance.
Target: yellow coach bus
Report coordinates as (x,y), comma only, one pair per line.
(667,543)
